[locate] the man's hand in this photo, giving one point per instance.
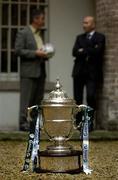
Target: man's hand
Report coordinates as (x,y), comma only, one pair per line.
(41,53)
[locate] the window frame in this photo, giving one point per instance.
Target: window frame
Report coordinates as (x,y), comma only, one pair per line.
(12,77)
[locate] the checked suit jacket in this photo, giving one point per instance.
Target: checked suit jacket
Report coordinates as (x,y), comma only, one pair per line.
(25,47)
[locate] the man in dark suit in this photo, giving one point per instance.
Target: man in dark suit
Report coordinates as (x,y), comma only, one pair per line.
(88,51)
(32,75)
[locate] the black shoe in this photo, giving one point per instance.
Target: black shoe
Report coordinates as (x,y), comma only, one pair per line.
(91,126)
(24,127)
(79,118)
(91,122)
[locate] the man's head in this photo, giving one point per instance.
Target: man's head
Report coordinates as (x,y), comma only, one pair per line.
(89,24)
(38,18)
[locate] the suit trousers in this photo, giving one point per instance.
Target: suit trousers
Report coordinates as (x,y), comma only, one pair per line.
(32,92)
(79,83)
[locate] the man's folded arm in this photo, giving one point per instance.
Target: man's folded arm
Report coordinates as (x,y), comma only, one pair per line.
(78,50)
(97,48)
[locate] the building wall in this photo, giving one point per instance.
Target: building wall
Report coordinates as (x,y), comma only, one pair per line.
(9,110)
(65,23)
(107,22)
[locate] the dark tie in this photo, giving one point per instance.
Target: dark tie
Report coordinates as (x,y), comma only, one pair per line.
(89,36)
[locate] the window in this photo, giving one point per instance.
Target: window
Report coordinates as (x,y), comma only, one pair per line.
(14,15)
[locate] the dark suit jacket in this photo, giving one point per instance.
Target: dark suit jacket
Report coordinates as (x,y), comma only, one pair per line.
(91,58)
(25,47)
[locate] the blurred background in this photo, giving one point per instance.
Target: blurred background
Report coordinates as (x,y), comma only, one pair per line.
(62,24)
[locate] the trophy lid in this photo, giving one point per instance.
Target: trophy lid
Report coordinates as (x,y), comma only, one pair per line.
(58,95)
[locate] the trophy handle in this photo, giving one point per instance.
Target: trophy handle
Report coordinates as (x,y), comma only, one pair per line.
(70,134)
(29,111)
(78,108)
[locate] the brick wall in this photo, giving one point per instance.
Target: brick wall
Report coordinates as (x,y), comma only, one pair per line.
(107,23)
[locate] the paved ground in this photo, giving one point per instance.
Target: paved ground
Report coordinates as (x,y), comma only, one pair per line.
(103,160)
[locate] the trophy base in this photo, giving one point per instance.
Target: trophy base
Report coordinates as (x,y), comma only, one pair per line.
(59,149)
(60,162)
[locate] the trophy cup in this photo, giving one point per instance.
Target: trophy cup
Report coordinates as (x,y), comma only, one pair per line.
(57,113)
(58,121)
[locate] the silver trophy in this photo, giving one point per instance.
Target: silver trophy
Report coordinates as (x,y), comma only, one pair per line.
(57,113)
(58,117)
(58,121)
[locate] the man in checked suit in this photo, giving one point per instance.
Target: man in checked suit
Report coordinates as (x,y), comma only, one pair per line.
(88,52)
(32,75)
